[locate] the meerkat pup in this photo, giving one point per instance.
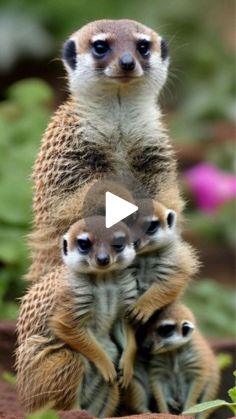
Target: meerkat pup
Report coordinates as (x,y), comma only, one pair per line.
(111,125)
(67,319)
(175,367)
(163,266)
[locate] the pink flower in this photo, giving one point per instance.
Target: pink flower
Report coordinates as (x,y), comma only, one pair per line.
(210,186)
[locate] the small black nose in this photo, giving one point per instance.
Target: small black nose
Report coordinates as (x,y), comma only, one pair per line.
(102,259)
(147,346)
(137,244)
(127,62)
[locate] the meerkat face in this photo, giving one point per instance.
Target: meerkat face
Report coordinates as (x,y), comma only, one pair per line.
(173,329)
(117,52)
(111,249)
(161,229)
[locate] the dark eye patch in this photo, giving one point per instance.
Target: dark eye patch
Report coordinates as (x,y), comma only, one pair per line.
(69,53)
(100,48)
(84,245)
(119,243)
(153,227)
(166,330)
(144,47)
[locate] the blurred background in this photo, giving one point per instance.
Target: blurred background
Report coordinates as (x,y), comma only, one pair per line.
(199,108)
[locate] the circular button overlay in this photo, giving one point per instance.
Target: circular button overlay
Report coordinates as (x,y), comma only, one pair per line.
(126,188)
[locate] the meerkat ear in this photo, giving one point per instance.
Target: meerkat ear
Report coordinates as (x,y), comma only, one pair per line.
(69,54)
(65,246)
(164,49)
(171,219)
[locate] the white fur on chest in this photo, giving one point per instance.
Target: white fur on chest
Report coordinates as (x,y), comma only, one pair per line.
(120,119)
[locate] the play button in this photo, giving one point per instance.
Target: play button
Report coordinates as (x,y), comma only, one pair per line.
(118,198)
(117,209)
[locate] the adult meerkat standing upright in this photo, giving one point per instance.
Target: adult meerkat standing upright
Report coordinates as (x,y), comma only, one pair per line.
(111,125)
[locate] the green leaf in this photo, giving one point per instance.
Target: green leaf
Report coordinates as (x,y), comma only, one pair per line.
(9,377)
(224,360)
(201,407)
(43,414)
(232,394)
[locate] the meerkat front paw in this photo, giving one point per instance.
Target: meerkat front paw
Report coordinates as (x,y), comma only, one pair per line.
(125,373)
(135,314)
(108,371)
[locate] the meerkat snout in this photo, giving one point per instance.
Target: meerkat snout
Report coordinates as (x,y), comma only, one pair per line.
(127,62)
(102,258)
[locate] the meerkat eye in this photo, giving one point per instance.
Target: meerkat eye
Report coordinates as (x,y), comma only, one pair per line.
(118,244)
(100,48)
(153,227)
(144,47)
(84,245)
(187,327)
(166,330)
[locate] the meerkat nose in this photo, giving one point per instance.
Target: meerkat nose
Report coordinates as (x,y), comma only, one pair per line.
(102,259)
(147,346)
(127,62)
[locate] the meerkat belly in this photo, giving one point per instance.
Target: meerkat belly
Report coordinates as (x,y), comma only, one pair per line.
(174,372)
(95,392)
(105,306)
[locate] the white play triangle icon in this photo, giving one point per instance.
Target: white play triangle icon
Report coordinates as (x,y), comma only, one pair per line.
(117,209)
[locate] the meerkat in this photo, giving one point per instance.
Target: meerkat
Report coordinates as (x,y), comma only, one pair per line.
(163,266)
(110,125)
(175,366)
(67,319)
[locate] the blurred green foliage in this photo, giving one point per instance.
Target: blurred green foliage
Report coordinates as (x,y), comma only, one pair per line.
(214,307)
(23,117)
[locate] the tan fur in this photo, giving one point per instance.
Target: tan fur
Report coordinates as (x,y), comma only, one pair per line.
(112,129)
(193,364)
(48,372)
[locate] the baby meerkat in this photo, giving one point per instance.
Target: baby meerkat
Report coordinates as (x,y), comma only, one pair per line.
(111,125)
(175,367)
(163,266)
(68,317)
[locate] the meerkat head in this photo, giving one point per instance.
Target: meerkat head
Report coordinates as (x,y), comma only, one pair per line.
(160,231)
(107,250)
(115,52)
(172,328)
